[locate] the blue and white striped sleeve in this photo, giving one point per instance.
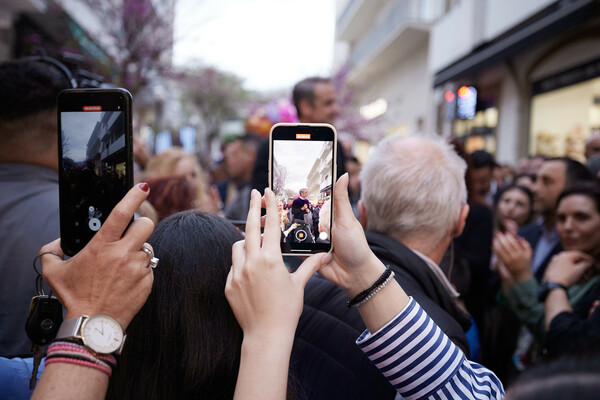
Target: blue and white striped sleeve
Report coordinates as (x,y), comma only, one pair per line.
(421,362)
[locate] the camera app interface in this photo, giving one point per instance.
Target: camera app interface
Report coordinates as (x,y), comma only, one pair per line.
(302,181)
(93,170)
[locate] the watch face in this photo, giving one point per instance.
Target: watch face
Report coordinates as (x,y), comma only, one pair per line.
(102,333)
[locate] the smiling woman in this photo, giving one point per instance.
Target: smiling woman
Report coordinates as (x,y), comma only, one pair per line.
(579,218)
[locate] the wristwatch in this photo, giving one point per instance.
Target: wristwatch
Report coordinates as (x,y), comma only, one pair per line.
(547,287)
(99,332)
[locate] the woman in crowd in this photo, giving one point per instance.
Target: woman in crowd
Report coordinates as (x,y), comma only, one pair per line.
(578,226)
(177,162)
(514,208)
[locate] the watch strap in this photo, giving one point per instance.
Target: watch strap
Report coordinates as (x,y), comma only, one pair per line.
(71,327)
(547,287)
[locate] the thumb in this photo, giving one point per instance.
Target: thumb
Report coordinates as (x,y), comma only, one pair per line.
(311,265)
(341,200)
(50,260)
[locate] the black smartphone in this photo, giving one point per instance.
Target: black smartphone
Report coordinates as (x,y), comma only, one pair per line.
(95,158)
(302,171)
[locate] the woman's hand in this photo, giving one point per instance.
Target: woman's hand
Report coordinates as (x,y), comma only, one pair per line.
(267,302)
(568,267)
(353,266)
(515,254)
(110,275)
(266,299)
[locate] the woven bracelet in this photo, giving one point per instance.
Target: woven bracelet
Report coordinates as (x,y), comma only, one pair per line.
(366,294)
(74,353)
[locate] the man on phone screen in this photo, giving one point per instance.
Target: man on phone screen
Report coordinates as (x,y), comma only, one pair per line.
(301,205)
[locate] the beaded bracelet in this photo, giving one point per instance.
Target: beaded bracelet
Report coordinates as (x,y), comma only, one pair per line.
(71,352)
(367,294)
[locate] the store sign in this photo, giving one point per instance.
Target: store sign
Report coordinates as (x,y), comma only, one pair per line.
(466,102)
(570,77)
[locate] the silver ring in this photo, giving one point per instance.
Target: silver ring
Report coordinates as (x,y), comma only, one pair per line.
(147,251)
(153,262)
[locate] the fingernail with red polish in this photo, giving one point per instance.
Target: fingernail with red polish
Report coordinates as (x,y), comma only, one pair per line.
(144,186)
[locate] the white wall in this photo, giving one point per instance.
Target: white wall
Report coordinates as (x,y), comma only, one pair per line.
(501,15)
(408,90)
(452,36)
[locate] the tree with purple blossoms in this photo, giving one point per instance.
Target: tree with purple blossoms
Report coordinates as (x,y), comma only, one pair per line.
(349,121)
(142,33)
(215,95)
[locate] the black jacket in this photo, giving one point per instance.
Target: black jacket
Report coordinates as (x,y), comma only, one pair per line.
(327,364)
(532,233)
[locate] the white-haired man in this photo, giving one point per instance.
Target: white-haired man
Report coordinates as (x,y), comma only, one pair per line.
(413,202)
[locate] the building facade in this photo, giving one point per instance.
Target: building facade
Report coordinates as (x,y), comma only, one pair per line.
(386,50)
(534,67)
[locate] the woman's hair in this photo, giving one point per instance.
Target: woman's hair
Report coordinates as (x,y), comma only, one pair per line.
(505,189)
(171,194)
(165,164)
(185,342)
(590,189)
(566,378)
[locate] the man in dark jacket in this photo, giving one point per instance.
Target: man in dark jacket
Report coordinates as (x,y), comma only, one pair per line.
(413,203)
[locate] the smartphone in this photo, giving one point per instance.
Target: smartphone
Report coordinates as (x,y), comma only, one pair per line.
(302,171)
(95,158)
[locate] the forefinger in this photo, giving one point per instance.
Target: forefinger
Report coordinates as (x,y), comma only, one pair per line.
(272,234)
(252,237)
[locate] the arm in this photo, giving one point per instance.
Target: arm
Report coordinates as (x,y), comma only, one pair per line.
(267,301)
(420,361)
(569,333)
(353,267)
(109,276)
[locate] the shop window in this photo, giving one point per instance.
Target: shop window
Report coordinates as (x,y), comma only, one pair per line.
(562,120)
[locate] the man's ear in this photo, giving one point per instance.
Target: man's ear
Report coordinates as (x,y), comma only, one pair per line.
(362,214)
(462,219)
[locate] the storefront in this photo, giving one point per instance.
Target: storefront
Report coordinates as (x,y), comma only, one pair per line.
(565,111)
(471,113)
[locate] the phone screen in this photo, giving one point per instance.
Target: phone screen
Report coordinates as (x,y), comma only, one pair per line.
(95,161)
(302,178)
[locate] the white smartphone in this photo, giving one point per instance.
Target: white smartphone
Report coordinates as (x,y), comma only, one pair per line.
(302,171)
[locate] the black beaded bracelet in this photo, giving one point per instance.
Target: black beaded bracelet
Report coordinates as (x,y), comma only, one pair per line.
(359,298)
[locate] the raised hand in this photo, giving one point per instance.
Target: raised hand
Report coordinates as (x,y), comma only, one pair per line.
(353,266)
(264,296)
(568,267)
(515,254)
(111,275)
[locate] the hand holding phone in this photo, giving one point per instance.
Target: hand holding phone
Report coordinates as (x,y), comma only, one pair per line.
(95,160)
(302,167)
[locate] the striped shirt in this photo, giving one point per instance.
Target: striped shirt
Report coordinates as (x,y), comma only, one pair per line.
(419,360)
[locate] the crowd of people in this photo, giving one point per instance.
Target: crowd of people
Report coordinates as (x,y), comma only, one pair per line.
(450,277)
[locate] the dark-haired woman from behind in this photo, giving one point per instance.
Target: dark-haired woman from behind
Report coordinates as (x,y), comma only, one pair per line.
(185,341)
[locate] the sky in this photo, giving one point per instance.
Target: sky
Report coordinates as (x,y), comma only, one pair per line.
(270,44)
(77,128)
(295,157)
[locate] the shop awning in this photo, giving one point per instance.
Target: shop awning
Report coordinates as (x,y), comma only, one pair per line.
(555,19)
